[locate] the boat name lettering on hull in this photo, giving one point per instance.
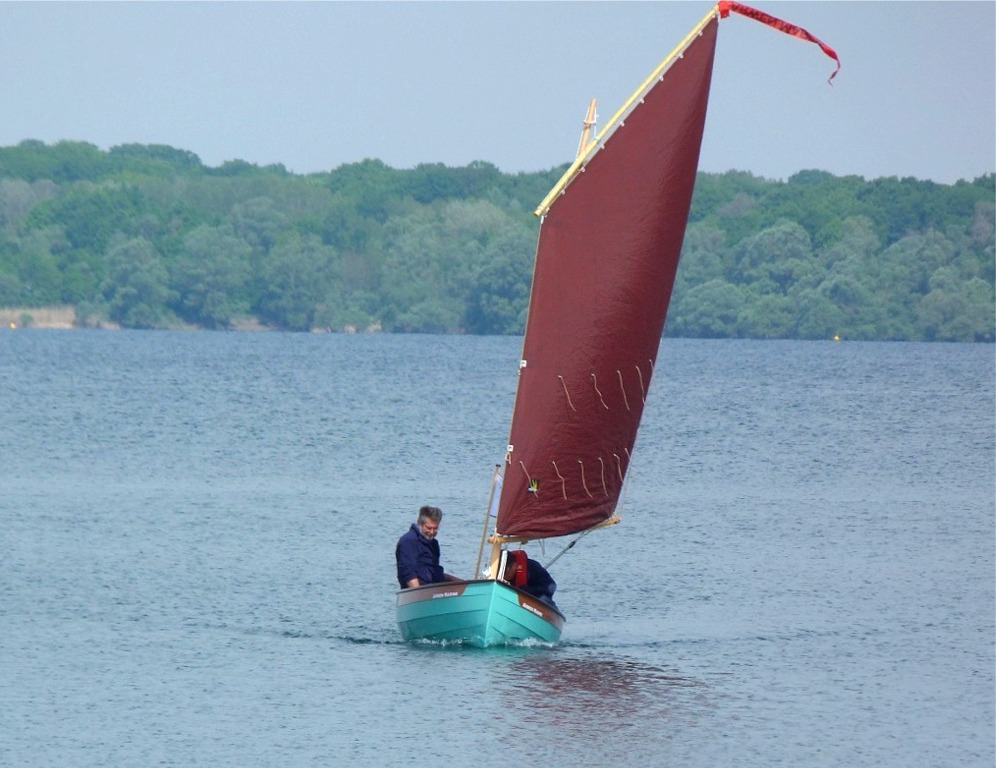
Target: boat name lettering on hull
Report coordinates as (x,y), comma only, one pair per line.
(445,594)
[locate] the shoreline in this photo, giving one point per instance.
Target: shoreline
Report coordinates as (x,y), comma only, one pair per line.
(65,319)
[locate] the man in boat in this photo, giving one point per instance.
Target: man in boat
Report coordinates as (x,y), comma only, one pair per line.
(417,553)
(525,573)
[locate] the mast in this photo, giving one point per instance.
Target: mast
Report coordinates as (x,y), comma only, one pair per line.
(587,127)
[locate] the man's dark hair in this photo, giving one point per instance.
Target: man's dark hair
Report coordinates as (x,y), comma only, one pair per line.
(430,513)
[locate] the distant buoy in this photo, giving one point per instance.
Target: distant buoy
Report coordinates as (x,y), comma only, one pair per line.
(13,325)
(836,337)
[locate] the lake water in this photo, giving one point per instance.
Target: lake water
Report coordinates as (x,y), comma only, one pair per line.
(197,534)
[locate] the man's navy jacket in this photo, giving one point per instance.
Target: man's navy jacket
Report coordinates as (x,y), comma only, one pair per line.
(418,558)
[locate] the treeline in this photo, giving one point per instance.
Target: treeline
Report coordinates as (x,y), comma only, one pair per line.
(148,237)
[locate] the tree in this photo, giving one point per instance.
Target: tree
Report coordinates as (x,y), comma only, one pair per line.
(156,157)
(711,310)
(768,316)
(499,296)
(857,241)
(18,197)
(137,290)
(817,317)
(703,257)
(450,249)
(431,260)
(63,162)
(10,289)
(90,215)
(39,266)
(298,277)
(950,313)
(211,277)
(258,223)
(777,257)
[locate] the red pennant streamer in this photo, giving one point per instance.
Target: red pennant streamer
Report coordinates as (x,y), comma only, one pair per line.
(789,29)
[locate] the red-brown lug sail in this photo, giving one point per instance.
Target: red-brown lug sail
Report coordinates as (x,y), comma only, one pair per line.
(605,267)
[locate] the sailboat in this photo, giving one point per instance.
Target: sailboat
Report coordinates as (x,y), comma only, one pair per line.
(610,237)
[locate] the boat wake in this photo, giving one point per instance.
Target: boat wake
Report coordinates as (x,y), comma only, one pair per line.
(386,636)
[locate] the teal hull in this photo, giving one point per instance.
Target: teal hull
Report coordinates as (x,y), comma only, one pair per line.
(477,613)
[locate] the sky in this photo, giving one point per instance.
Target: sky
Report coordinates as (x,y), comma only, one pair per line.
(314,85)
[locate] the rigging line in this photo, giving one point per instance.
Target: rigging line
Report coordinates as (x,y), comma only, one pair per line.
(583,483)
(564,385)
(622,387)
(571,544)
(487,519)
(619,467)
(643,389)
(563,482)
(602,465)
(594,383)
